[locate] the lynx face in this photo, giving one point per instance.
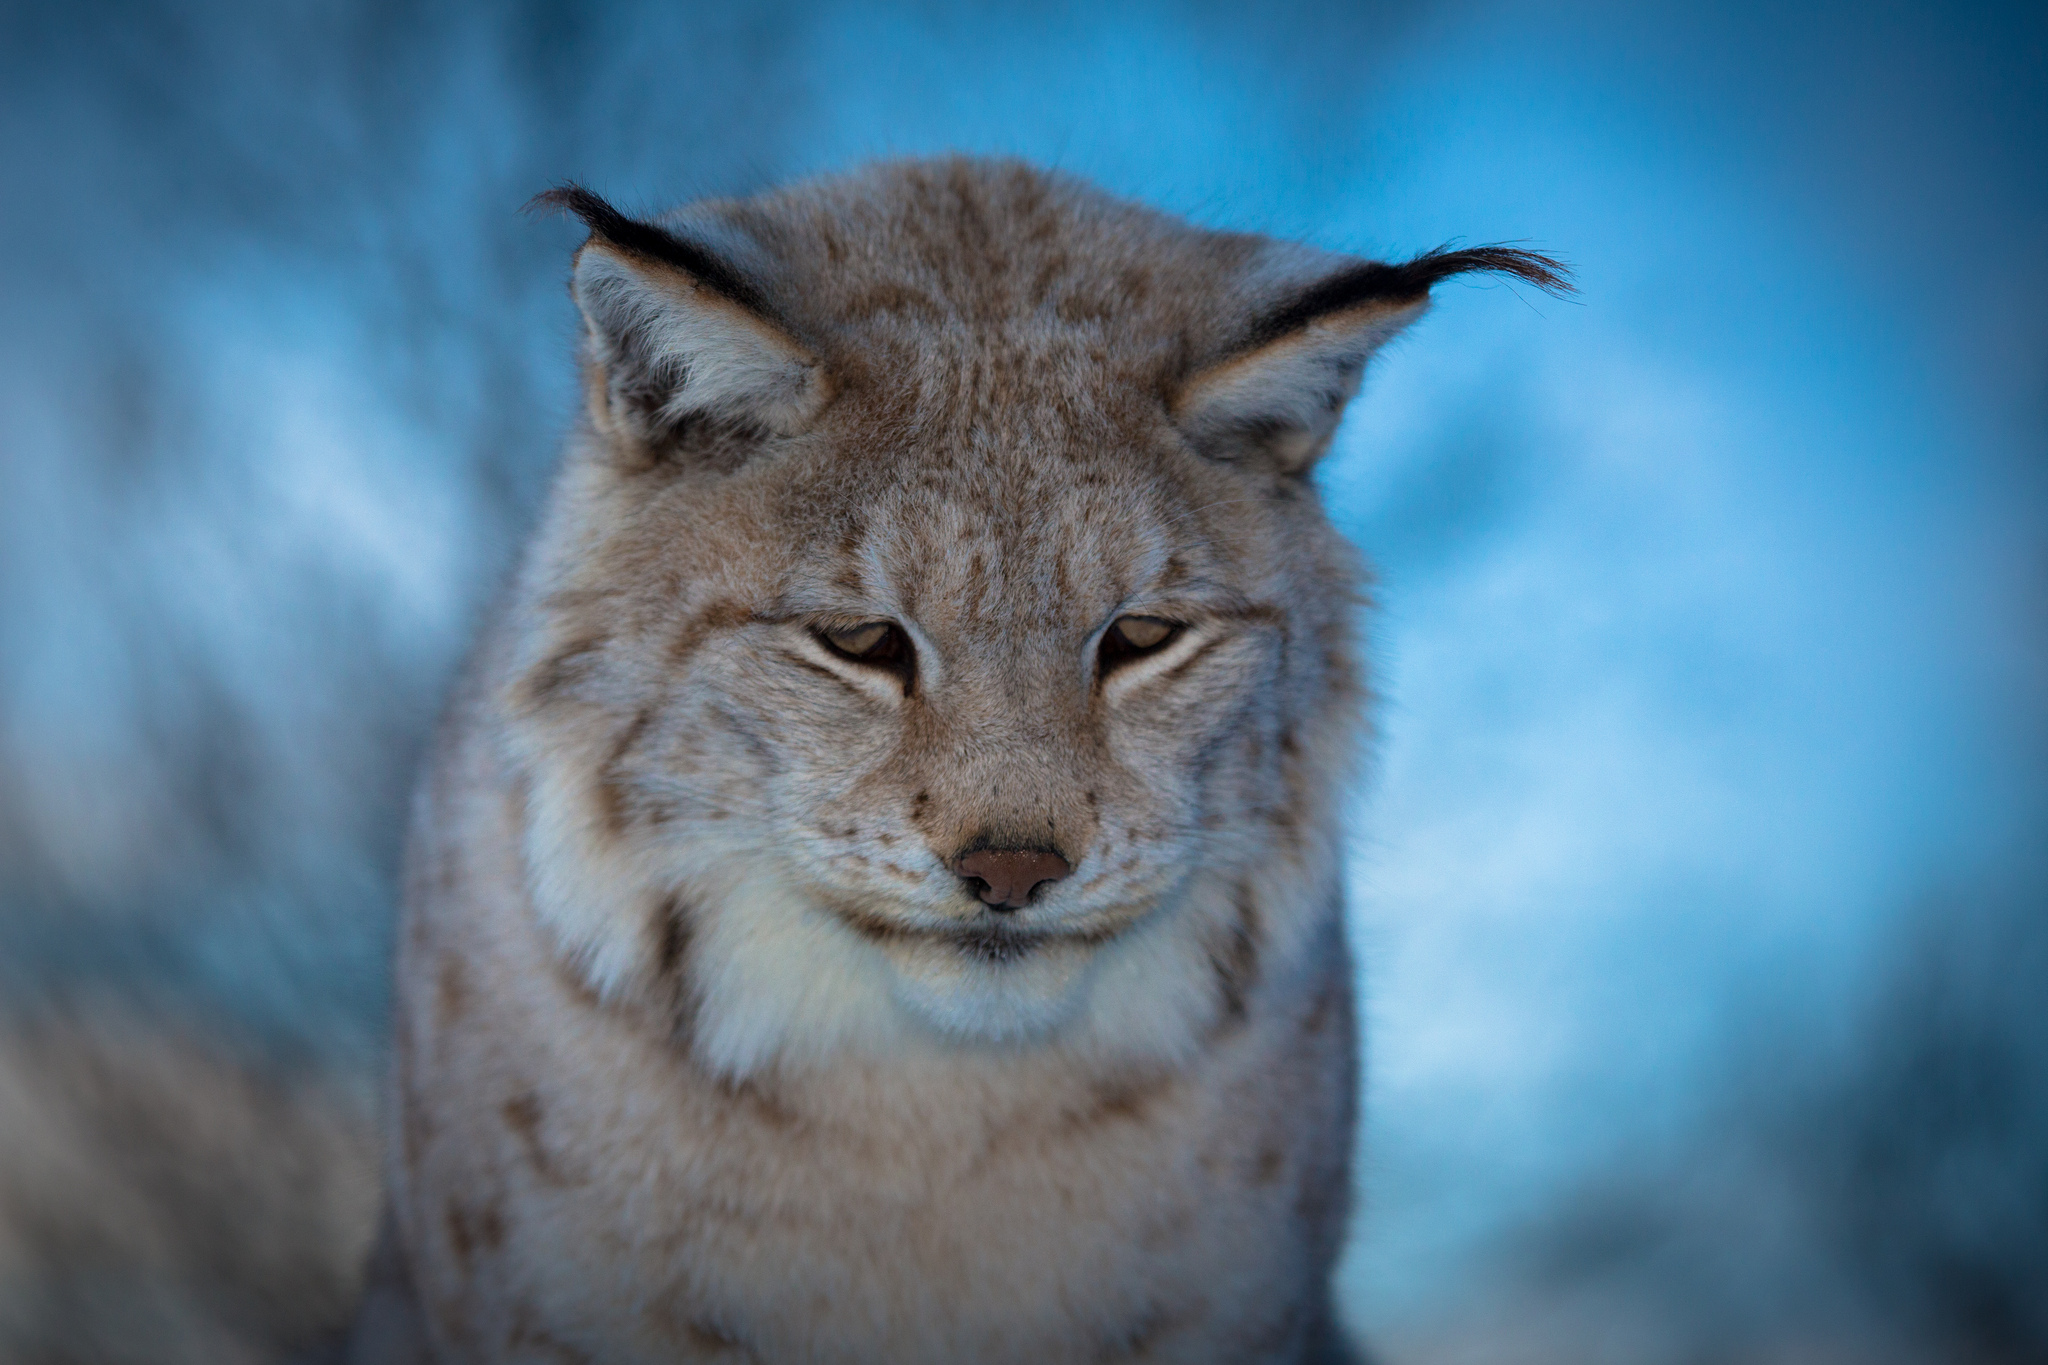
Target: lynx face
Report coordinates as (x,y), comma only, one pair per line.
(935,636)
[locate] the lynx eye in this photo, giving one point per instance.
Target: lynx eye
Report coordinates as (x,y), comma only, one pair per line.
(1143,632)
(857,640)
(879,644)
(1131,637)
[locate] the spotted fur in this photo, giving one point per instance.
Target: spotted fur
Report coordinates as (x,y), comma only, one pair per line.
(704,1050)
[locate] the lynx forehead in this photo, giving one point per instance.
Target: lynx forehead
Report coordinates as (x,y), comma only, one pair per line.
(898,800)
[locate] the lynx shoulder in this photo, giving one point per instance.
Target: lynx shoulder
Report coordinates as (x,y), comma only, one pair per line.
(877,897)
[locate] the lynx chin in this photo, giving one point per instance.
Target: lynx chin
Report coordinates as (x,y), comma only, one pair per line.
(877,894)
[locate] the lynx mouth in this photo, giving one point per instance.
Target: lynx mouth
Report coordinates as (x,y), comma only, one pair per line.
(995,946)
(993,943)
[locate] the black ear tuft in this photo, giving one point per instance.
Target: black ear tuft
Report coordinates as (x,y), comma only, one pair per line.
(686,348)
(1380,282)
(652,243)
(1277,393)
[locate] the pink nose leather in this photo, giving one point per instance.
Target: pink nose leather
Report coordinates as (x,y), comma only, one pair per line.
(1008,876)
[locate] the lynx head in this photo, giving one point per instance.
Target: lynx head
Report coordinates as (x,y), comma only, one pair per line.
(935,637)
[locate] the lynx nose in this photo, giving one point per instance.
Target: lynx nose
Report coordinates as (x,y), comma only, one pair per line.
(1008,876)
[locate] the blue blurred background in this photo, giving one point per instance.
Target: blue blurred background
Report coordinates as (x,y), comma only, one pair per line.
(1700,882)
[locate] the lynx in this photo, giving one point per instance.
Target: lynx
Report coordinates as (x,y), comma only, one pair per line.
(877,895)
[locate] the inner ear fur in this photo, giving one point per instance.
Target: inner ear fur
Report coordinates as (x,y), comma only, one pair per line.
(1279,391)
(678,334)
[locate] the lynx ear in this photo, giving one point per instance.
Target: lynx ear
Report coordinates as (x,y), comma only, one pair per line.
(1279,394)
(676,332)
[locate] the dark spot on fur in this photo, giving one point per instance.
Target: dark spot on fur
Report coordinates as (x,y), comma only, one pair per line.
(1136,1341)
(614,791)
(614,802)
(447,874)
(573,983)
(1266,1169)
(1324,1196)
(461,1238)
(1128,1101)
(1318,1017)
(1120,1102)
(706,1335)
(1236,960)
(673,927)
(416,1129)
(757,1100)
(490,1226)
(526,1335)
(452,991)
(683,1326)
(726,615)
(523,1115)
(671,936)
(872,927)
(563,670)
